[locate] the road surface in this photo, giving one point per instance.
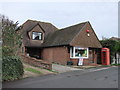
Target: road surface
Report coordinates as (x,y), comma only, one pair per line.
(89,78)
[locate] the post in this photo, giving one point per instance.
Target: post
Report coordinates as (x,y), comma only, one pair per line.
(80,62)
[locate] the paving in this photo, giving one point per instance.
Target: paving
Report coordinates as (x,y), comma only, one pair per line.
(61,68)
(88,66)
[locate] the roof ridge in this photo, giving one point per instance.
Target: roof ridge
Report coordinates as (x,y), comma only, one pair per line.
(74,25)
(69,27)
(38,21)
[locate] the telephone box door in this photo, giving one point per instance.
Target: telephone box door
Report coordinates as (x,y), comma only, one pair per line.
(105,56)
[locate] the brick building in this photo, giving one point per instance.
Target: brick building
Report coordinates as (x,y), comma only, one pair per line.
(44,41)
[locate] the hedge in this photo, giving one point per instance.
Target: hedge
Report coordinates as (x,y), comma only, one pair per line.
(12,68)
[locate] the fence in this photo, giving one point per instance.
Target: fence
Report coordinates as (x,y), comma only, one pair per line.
(116,61)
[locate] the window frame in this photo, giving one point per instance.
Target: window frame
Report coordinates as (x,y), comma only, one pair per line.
(72,52)
(39,36)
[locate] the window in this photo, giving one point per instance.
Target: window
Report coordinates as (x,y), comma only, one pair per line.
(77,52)
(36,35)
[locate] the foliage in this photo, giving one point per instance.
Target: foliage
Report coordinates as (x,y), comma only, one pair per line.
(113,45)
(115,64)
(10,37)
(7,51)
(118,50)
(12,68)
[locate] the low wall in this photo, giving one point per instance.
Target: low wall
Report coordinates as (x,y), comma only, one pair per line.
(85,62)
(37,62)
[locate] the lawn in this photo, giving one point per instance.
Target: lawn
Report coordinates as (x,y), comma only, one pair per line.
(33,70)
(115,64)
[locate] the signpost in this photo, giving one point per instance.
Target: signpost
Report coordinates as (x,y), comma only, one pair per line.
(80,62)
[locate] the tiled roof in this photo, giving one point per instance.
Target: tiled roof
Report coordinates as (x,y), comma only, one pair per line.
(63,36)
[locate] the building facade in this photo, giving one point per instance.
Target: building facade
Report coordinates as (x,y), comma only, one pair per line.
(77,43)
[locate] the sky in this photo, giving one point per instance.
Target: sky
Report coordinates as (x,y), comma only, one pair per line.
(103,16)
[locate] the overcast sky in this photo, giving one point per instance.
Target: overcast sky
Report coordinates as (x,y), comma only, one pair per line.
(103,16)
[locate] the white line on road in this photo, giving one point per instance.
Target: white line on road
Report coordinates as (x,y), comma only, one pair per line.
(101,69)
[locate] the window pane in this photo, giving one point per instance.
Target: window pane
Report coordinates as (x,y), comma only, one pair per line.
(79,52)
(37,35)
(40,34)
(71,52)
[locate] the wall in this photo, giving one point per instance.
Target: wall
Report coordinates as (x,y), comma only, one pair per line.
(59,55)
(88,61)
(85,61)
(37,62)
(83,40)
(36,29)
(75,61)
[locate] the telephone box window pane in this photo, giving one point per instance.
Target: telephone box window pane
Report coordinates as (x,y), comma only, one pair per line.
(104,57)
(37,36)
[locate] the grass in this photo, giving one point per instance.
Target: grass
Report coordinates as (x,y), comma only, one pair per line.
(33,70)
(115,64)
(105,65)
(42,68)
(52,71)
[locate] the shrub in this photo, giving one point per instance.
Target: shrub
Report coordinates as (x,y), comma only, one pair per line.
(12,68)
(7,51)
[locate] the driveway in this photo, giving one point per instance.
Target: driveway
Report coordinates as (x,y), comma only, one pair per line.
(61,68)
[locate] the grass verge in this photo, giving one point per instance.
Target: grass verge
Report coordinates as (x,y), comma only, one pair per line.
(33,70)
(115,64)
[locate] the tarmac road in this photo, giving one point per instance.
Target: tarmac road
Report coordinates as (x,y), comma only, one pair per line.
(89,78)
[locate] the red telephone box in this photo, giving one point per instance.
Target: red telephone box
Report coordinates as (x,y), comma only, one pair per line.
(105,56)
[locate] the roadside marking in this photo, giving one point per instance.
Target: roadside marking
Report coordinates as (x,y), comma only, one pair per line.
(100,69)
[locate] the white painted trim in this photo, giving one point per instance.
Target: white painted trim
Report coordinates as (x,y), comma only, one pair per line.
(73,51)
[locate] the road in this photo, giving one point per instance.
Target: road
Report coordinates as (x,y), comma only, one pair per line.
(89,78)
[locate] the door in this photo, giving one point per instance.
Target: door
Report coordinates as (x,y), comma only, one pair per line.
(91,56)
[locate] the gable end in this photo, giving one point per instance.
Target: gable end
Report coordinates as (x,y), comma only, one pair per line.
(82,39)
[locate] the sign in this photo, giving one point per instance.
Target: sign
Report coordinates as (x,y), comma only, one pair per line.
(80,62)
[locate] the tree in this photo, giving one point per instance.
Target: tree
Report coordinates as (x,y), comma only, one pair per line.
(11,40)
(12,67)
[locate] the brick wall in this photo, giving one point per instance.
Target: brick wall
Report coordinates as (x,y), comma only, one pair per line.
(37,62)
(58,55)
(75,61)
(85,61)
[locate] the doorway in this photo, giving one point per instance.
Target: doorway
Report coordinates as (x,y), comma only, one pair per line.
(34,52)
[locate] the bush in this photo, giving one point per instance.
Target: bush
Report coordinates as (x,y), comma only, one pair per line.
(7,51)
(12,68)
